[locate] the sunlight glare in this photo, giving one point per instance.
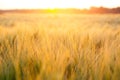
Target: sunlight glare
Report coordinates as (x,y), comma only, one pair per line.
(52,4)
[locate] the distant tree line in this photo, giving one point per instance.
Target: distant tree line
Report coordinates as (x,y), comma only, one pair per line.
(104,10)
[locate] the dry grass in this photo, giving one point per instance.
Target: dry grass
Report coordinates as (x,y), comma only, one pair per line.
(59,47)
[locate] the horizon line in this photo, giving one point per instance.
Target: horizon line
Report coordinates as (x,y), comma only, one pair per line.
(59,8)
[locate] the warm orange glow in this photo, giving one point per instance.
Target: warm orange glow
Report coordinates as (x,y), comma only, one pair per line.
(51,10)
(52,4)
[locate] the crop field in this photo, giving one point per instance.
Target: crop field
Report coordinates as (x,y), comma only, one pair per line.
(59,46)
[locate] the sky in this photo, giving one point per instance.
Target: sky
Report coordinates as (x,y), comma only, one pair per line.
(33,4)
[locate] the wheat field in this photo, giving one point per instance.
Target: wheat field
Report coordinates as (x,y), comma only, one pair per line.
(59,46)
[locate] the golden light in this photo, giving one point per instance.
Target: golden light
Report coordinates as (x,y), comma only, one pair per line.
(52,4)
